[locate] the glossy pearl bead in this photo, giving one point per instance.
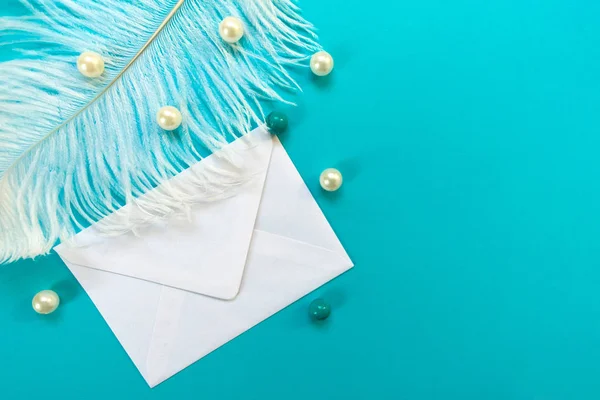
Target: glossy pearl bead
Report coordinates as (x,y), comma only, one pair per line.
(231,29)
(90,64)
(45,302)
(169,118)
(331,179)
(276,122)
(321,63)
(319,309)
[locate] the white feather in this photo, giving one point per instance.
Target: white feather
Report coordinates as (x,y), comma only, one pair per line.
(75,149)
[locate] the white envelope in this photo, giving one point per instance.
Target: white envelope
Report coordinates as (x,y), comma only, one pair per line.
(174,293)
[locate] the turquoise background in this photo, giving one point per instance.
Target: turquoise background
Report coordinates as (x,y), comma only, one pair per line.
(468,133)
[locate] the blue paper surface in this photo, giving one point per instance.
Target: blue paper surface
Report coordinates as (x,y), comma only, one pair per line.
(468,133)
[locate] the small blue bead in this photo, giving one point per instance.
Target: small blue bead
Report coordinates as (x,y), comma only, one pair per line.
(319,309)
(277,122)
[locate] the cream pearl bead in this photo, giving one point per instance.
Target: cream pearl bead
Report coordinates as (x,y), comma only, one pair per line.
(90,64)
(45,302)
(231,29)
(321,63)
(331,179)
(169,118)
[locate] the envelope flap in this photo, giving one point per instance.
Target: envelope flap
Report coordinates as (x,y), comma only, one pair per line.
(184,256)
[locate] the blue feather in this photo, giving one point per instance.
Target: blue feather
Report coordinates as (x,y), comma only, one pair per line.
(74,150)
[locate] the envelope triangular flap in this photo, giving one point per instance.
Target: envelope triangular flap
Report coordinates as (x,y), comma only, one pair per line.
(205,254)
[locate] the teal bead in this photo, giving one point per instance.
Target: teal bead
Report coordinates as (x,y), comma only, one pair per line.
(319,309)
(277,122)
